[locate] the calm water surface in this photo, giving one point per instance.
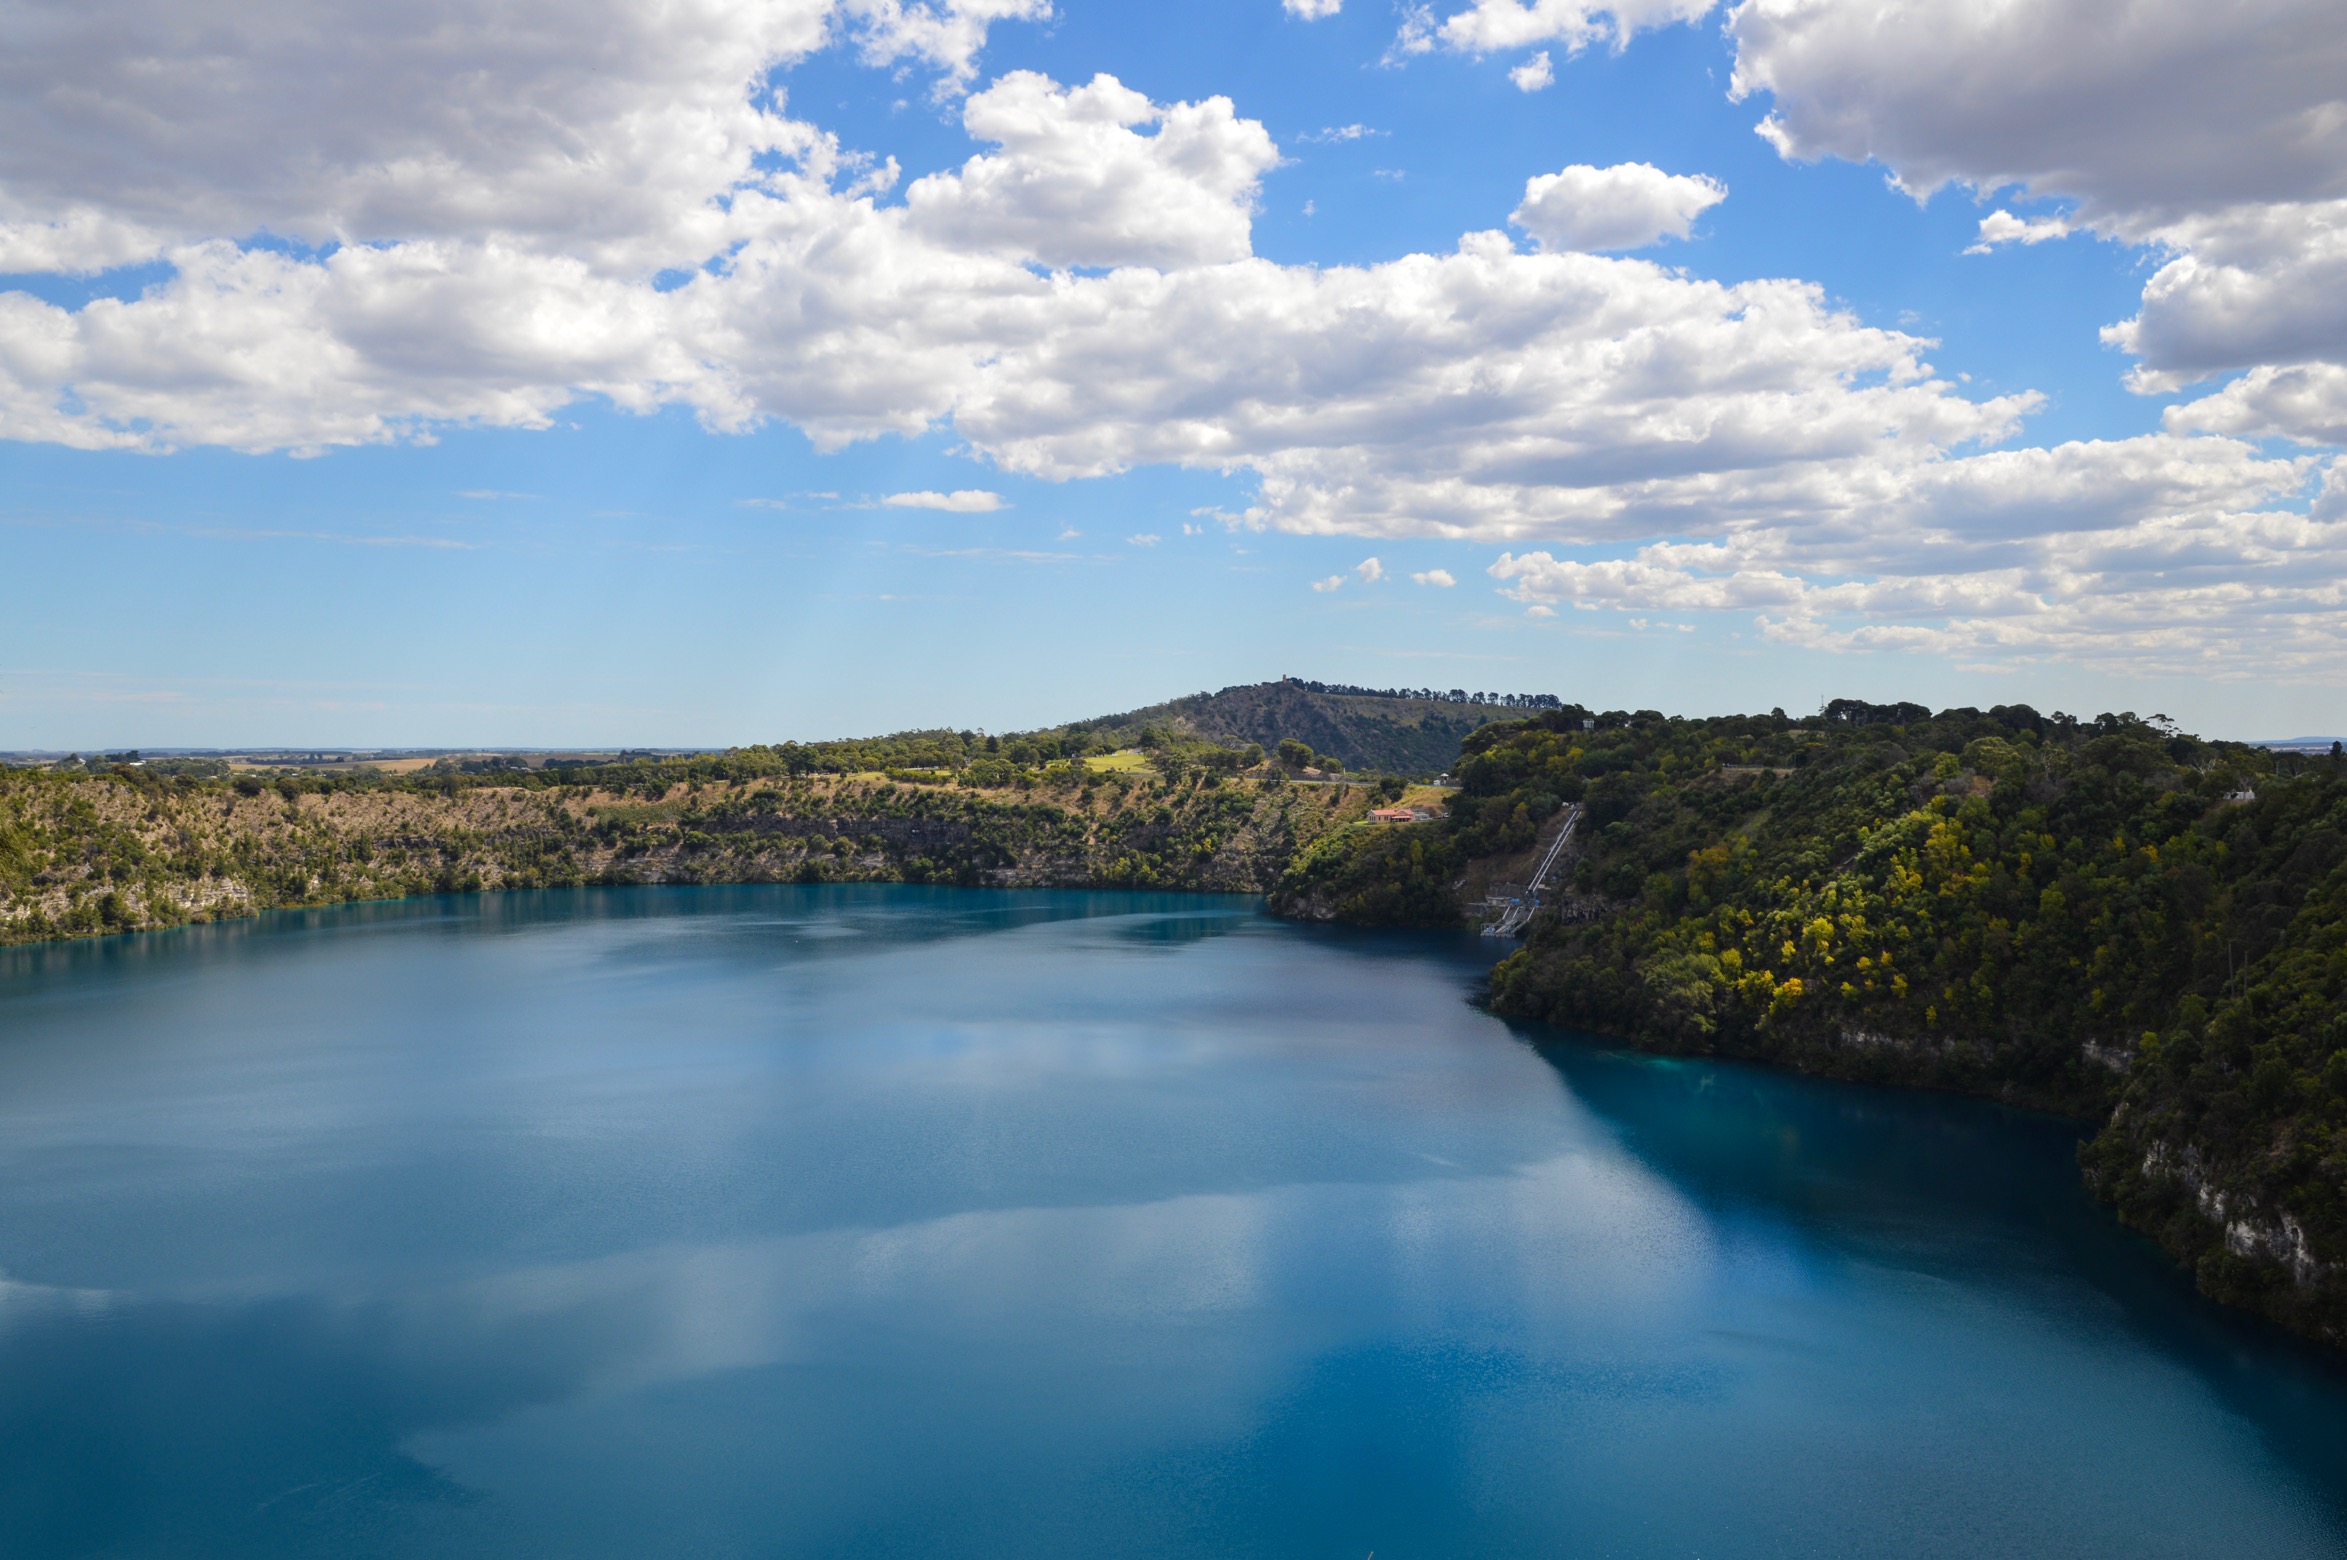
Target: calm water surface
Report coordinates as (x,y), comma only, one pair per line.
(896,1222)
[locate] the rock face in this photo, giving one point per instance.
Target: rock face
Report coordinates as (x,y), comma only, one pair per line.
(1310,904)
(102,853)
(2244,1246)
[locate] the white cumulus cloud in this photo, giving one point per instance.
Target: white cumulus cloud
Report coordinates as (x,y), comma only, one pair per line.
(2002,227)
(2263,284)
(1075,185)
(2144,556)
(1367,572)
(1534,74)
(962,501)
(596,127)
(1627,206)
(1440,578)
(1490,26)
(2217,134)
(2143,113)
(2306,401)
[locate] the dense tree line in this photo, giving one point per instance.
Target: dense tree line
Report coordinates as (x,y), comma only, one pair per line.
(1512,701)
(1374,875)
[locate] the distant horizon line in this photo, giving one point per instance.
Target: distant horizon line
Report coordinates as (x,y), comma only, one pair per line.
(347,752)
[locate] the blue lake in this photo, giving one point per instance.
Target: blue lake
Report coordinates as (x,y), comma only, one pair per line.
(897,1222)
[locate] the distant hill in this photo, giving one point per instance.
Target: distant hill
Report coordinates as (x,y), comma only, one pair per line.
(1399,731)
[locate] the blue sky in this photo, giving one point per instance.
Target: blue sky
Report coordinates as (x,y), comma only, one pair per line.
(340,519)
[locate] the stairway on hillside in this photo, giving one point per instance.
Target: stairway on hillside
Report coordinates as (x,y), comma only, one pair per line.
(1511,905)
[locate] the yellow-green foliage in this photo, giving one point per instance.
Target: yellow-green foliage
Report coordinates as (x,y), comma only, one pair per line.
(1373,875)
(2021,884)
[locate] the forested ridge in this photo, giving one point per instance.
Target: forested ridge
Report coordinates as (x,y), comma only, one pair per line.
(1407,731)
(2110,918)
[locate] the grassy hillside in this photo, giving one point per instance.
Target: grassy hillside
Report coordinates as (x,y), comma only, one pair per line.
(2109,918)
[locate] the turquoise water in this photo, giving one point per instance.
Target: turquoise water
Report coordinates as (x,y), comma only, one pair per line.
(897,1222)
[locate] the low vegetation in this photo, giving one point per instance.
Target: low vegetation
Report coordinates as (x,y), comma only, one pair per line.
(130,849)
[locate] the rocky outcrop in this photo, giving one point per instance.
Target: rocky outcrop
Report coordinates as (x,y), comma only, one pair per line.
(2243,1246)
(98,854)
